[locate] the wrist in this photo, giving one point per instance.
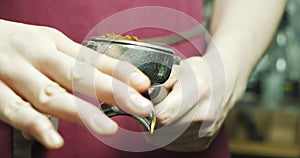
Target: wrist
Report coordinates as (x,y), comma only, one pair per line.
(237,60)
(240,54)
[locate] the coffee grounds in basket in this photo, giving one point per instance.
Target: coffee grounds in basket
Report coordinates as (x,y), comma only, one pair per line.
(127,37)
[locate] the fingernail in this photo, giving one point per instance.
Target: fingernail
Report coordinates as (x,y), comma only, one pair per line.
(54,139)
(104,126)
(138,78)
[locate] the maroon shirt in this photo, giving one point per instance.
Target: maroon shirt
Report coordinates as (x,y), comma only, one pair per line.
(75,19)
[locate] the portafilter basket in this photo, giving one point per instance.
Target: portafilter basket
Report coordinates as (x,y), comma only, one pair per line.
(154,61)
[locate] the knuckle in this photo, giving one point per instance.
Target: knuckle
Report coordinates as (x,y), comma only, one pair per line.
(106,94)
(81,70)
(18,38)
(48,30)
(7,67)
(69,74)
(51,32)
(48,93)
(88,56)
(21,38)
(13,109)
(165,118)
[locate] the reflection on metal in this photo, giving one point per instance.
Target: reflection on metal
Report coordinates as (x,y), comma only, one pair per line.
(153,60)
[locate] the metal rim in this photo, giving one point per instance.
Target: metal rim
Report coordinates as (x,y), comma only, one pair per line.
(129,42)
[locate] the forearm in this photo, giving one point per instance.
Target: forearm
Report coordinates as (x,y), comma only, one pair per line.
(241,31)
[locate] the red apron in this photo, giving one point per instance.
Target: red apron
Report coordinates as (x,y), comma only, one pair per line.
(75,19)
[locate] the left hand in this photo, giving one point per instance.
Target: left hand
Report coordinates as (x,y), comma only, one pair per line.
(195,103)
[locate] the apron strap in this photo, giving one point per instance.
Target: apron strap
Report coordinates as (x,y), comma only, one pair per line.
(22,148)
(177,37)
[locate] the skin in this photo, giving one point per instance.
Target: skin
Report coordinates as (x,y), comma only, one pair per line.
(36,76)
(241,31)
(37,70)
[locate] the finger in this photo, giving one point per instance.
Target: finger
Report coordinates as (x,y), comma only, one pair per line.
(29,83)
(171,80)
(170,108)
(96,84)
(121,70)
(21,115)
(94,119)
(110,90)
(85,79)
(124,72)
(48,97)
(186,93)
(176,105)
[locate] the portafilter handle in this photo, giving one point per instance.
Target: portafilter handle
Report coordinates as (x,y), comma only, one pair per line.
(156,94)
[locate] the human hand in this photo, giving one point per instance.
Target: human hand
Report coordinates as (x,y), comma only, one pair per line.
(241,42)
(37,78)
(196,106)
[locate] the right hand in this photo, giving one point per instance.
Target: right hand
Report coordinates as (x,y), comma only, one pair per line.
(37,76)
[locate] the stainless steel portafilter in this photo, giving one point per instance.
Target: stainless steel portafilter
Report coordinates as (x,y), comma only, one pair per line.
(154,61)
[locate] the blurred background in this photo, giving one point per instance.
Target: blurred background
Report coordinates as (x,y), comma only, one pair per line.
(266,122)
